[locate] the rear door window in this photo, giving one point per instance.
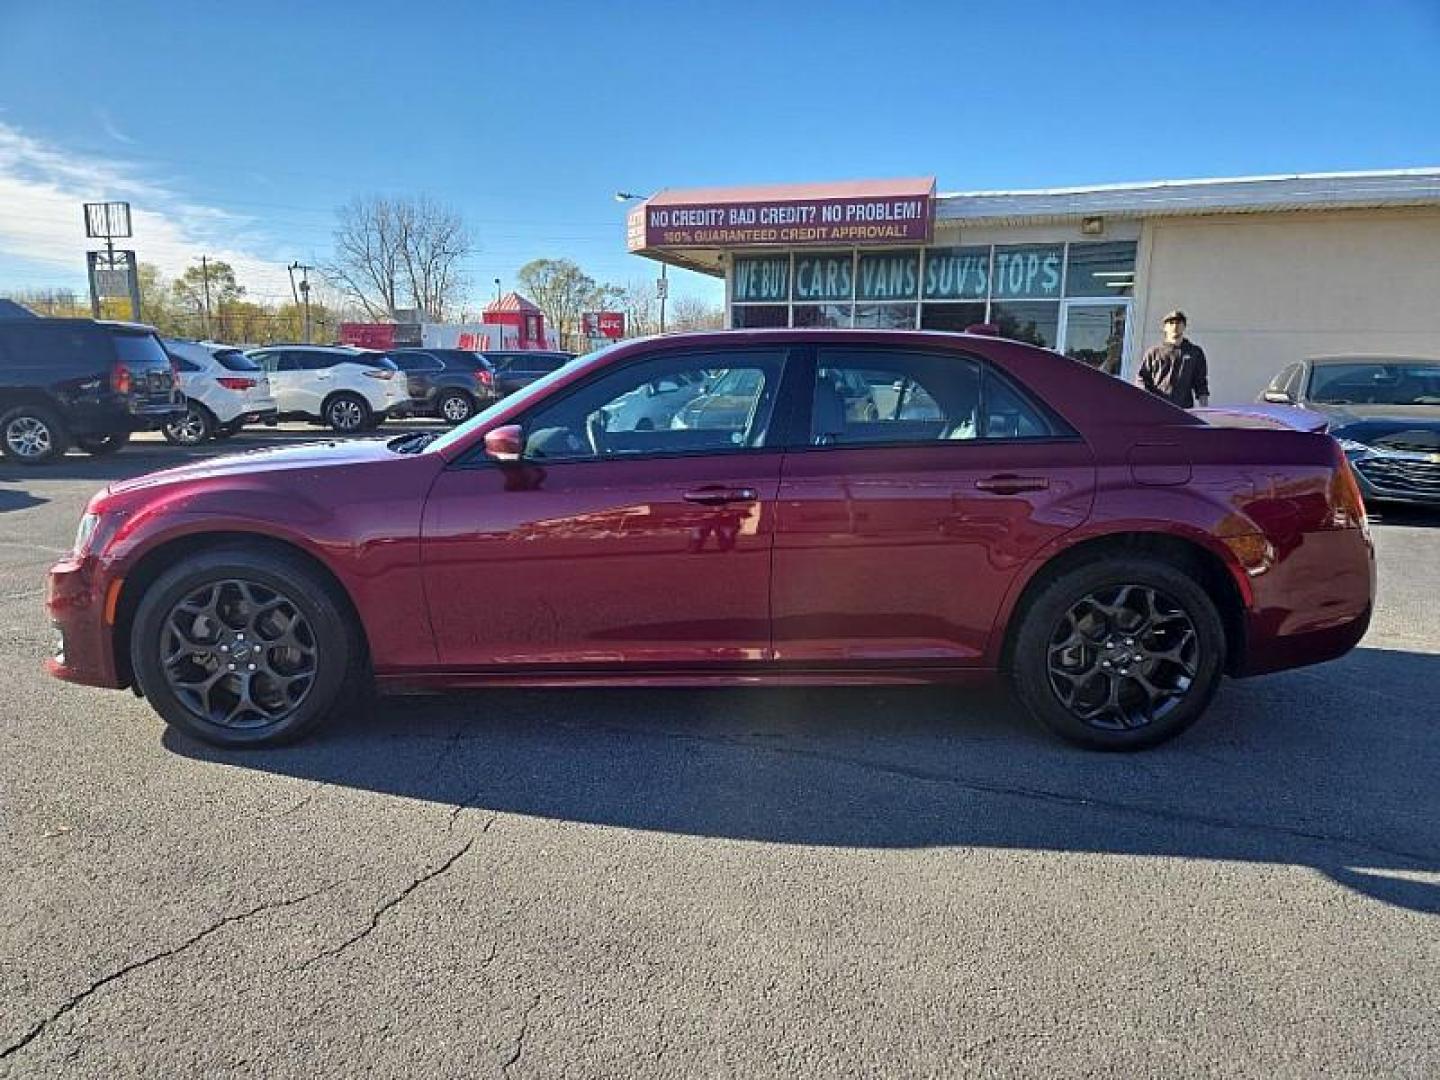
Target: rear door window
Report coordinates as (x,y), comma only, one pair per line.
(235,360)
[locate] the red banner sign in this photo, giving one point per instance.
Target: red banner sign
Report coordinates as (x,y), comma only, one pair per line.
(789,218)
(606,324)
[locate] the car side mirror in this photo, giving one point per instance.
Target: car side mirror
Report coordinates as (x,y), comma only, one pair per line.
(1278,397)
(505,443)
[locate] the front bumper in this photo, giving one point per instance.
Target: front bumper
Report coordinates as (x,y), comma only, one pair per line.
(75,596)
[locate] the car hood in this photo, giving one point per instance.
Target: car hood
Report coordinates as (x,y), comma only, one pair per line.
(318,455)
(1398,427)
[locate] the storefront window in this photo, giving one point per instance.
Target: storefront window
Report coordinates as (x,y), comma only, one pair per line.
(828,276)
(1095,334)
(951,316)
(889,275)
(1028,271)
(1037,323)
(822,315)
(1101,270)
(885,316)
(759,316)
(762,279)
(957,273)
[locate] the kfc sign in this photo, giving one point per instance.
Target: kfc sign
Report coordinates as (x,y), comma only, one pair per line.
(603,324)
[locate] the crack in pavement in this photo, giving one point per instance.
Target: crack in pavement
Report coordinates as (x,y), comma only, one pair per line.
(910,772)
(75,1001)
(519,1047)
(398,898)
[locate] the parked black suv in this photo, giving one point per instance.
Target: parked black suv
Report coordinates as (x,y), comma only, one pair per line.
(453,384)
(65,381)
(520,367)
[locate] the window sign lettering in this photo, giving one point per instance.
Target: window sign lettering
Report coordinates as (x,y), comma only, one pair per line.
(889,275)
(764,280)
(957,273)
(1027,271)
(823,277)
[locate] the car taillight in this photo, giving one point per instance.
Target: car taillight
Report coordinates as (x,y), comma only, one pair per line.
(120,380)
(484,378)
(236,384)
(379,373)
(1347,504)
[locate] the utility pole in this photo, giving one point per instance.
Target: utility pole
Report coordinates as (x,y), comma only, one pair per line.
(205,285)
(663,290)
(305,297)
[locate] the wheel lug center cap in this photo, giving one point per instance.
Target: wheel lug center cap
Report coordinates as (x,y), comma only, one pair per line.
(241,650)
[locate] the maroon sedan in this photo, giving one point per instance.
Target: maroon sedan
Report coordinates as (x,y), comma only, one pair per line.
(837,507)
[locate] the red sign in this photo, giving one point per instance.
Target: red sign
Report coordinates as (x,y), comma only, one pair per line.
(865,212)
(606,324)
(368,335)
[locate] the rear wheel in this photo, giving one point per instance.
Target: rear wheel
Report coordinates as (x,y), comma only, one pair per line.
(190,428)
(1119,654)
(32,435)
(101,445)
(347,413)
(455,407)
(244,648)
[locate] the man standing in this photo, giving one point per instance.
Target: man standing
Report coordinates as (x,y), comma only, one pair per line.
(1175,369)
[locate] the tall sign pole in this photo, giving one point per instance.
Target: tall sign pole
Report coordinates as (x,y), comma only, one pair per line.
(112,273)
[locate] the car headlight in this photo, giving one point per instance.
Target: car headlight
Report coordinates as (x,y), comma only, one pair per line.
(85,532)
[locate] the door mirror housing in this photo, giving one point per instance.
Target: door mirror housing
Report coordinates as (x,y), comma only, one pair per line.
(1278,397)
(505,443)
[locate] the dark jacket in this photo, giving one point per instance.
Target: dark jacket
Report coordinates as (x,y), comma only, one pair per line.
(1175,372)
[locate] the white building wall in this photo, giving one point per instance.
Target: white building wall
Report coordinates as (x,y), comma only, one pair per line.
(1262,290)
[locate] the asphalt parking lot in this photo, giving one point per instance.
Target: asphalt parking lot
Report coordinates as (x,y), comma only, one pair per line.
(739,883)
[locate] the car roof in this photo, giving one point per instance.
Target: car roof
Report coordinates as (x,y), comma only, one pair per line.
(1361,358)
(47,323)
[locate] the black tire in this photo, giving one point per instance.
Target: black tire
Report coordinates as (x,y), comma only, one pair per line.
(347,413)
(455,407)
(309,667)
(192,428)
(32,435)
(1133,679)
(103,445)
(226,431)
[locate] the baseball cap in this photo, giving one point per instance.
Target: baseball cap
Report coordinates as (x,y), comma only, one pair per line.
(1175,316)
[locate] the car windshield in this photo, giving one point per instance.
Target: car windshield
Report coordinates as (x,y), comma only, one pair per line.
(521,397)
(1374,382)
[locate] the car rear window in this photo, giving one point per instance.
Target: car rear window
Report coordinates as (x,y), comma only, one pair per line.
(532,365)
(140,350)
(366,361)
(235,360)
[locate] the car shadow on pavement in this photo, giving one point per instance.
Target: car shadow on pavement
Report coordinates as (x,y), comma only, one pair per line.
(1332,769)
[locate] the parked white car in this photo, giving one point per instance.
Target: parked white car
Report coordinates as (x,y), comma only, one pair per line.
(224,390)
(348,389)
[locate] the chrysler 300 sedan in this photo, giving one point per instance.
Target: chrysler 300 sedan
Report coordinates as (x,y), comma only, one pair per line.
(988,508)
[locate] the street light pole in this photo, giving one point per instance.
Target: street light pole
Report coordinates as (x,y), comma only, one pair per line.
(663,285)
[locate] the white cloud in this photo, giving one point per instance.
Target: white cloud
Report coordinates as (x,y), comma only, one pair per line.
(111,128)
(43,187)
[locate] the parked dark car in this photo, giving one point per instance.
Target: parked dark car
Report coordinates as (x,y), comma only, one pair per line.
(80,382)
(1384,410)
(517,369)
(452,384)
(1115,555)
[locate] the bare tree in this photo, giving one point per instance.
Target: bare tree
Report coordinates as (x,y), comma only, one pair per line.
(693,313)
(641,306)
(394,253)
(563,291)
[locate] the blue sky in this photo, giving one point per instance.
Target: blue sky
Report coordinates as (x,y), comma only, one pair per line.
(238,129)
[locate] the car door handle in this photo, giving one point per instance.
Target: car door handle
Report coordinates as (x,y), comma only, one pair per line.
(719,496)
(1010,484)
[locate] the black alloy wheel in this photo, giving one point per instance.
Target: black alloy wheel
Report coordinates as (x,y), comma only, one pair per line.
(1120,653)
(243,648)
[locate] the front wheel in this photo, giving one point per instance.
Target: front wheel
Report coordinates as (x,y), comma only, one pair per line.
(1119,654)
(32,435)
(103,445)
(347,414)
(240,647)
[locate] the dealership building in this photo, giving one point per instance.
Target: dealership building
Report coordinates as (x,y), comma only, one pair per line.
(1269,269)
